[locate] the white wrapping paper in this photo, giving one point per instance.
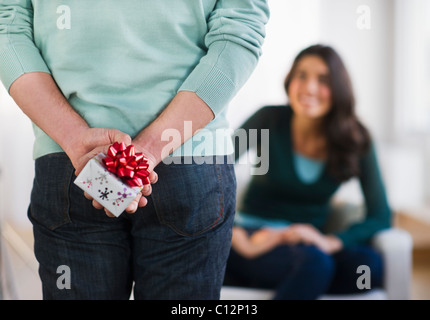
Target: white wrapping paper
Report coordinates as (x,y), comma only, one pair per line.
(105,187)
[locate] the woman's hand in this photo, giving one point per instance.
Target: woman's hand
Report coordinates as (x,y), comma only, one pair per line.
(308,234)
(266,239)
(258,243)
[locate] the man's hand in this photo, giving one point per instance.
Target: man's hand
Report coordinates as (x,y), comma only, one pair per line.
(97,140)
(90,142)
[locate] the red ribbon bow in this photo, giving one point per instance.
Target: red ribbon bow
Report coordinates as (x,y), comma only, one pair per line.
(131,167)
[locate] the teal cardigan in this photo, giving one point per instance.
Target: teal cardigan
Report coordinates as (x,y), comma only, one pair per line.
(281,194)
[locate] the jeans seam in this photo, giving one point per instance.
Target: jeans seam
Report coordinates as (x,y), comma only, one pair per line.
(221,198)
(67,196)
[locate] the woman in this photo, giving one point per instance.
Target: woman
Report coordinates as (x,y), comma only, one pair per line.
(316,144)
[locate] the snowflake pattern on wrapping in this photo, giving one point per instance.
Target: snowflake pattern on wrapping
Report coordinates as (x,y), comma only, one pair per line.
(88,183)
(102,178)
(104,195)
(123,195)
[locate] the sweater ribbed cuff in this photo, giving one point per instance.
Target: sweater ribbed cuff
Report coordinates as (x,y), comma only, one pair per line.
(17,60)
(216,89)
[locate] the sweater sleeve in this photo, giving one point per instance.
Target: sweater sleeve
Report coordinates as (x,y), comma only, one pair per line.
(18,53)
(236,31)
(378,212)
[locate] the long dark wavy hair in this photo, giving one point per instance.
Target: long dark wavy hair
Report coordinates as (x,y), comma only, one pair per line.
(347,138)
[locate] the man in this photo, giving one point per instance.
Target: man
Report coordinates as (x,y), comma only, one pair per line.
(91,73)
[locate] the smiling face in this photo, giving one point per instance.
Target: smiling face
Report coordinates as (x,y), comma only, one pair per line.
(309,90)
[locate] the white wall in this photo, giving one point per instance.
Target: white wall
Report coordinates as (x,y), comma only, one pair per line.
(293,25)
(16,163)
(368,54)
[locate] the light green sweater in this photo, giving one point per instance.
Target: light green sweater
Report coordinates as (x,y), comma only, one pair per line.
(119,63)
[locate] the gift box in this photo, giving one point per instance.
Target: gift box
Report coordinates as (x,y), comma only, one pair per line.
(115,179)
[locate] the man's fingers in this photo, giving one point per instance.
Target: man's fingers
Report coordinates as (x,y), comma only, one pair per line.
(147,190)
(132,207)
(109,214)
(143,202)
(87,157)
(86,195)
(121,137)
(118,136)
(97,205)
(153,177)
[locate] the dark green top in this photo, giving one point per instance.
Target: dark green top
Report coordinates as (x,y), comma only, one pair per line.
(280,194)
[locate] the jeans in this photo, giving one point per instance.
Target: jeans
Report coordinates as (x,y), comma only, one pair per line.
(175,247)
(304,272)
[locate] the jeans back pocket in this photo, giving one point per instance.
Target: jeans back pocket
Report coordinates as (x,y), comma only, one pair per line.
(190,198)
(50,203)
